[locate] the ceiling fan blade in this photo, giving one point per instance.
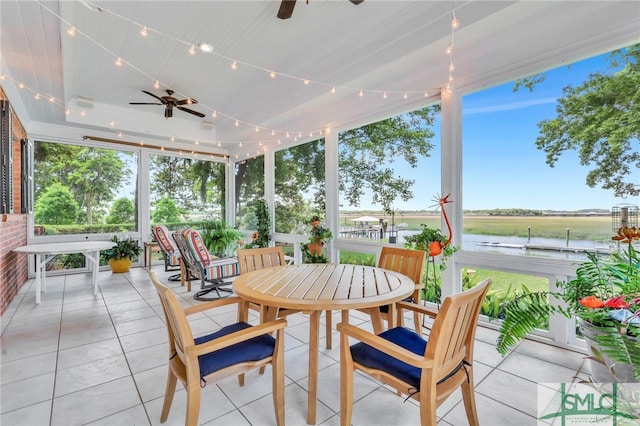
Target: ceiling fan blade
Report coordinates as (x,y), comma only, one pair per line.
(144,103)
(157,97)
(286,9)
(188,101)
(190,111)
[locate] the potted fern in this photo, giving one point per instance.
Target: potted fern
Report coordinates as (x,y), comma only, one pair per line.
(604,298)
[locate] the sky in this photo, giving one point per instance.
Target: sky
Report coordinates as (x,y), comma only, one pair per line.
(502,168)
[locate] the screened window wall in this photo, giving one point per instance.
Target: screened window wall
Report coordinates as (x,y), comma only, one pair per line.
(185,191)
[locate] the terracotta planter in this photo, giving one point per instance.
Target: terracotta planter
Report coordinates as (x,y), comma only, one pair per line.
(315,248)
(120,265)
(435,248)
(315,223)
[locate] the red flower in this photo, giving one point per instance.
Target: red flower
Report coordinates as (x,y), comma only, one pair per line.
(616,303)
(592,302)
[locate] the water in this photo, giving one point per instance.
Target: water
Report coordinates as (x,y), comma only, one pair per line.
(517,245)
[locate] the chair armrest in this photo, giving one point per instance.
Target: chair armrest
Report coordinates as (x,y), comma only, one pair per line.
(385,346)
(211,305)
(237,337)
(417,308)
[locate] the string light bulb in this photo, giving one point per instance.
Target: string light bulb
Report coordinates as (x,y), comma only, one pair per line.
(143,31)
(71,31)
(234,65)
(272,74)
(192,50)
(119,61)
(156,85)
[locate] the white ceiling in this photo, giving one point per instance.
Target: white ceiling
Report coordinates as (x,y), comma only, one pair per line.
(378,46)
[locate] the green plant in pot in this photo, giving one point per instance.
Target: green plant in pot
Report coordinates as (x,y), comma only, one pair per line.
(604,298)
(219,237)
(121,255)
(319,235)
(433,242)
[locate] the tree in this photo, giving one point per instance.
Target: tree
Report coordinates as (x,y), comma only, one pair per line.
(190,183)
(56,206)
(93,175)
(122,211)
(363,153)
(600,119)
(166,211)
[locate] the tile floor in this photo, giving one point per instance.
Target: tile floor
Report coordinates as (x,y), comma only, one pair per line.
(82,359)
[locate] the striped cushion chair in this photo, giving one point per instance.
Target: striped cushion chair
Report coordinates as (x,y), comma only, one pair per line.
(169,250)
(211,270)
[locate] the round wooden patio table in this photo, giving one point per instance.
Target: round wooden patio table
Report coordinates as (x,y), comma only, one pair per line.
(321,287)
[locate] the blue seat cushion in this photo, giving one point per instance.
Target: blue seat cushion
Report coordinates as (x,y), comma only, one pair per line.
(373,358)
(253,349)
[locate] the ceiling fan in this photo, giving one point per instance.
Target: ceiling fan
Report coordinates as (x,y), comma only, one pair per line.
(286,7)
(170,102)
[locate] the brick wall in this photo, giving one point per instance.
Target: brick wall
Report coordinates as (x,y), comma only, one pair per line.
(13,230)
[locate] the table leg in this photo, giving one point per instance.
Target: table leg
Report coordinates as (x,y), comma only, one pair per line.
(314,346)
(94,258)
(376,319)
(39,273)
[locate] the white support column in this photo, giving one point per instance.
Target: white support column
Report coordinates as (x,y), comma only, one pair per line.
(230,185)
(269,187)
(451,180)
(144,191)
(332,195)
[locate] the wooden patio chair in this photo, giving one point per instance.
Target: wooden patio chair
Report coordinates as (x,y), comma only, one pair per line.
(426,370)
(410,263)
(232,350)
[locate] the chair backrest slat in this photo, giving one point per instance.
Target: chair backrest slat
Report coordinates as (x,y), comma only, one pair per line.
(405,261)
(453,333)
(260,258)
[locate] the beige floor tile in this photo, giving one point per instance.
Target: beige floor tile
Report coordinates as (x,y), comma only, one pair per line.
(110,378)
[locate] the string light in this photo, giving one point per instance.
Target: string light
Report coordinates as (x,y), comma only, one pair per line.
(234,64)
(71,31)
(449,51)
